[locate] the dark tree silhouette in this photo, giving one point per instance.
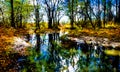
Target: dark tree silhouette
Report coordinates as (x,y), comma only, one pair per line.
(12,14)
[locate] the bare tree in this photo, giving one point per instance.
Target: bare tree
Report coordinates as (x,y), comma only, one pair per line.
(52,11)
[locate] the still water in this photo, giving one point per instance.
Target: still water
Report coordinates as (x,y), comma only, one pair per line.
(51,52)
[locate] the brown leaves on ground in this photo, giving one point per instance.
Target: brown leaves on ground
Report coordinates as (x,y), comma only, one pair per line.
(111,34)
(7,36)
(105,37)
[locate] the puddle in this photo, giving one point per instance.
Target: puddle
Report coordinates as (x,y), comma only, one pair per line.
(79,57)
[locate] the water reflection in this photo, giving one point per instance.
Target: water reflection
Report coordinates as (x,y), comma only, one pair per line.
(38,43)
(79,57)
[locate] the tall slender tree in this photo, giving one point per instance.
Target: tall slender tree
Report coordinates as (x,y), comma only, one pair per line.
(37,18)
(104,9)
(109,12)
(52,10)
(119,12)
(99,15)
(71,11)
(87,10)
(12,13)
(116,6)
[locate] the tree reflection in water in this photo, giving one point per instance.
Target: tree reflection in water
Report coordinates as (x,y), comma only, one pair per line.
(54,57)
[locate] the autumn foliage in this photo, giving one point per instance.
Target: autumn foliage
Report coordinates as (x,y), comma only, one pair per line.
(6,43)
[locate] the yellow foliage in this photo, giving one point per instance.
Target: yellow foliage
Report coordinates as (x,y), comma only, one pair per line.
(113,52)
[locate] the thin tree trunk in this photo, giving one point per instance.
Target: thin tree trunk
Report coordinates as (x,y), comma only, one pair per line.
(3,20)
(12,15)
(116,7)
(99,20)
(21,20)
(119,12)
(116,11)
(37,18)
(104,21)
(91,21)
(38,43)
(49,19)
(50,23)
(72,21)
(89,17)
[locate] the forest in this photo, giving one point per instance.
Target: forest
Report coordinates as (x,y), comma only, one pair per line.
(59,35)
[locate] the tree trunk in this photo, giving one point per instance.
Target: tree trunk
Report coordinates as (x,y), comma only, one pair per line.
(87,3)
(3,20)
(116,11)
(72,18)
(119,12)
(21,20)
(116,7)
(12,15)
(104,21)
(99,20)
(49,19)
(110,15)
(50,23)
(37,18)
(91,21)
(38,43)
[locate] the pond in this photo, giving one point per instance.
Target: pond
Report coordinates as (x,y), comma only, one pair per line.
(55,52)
